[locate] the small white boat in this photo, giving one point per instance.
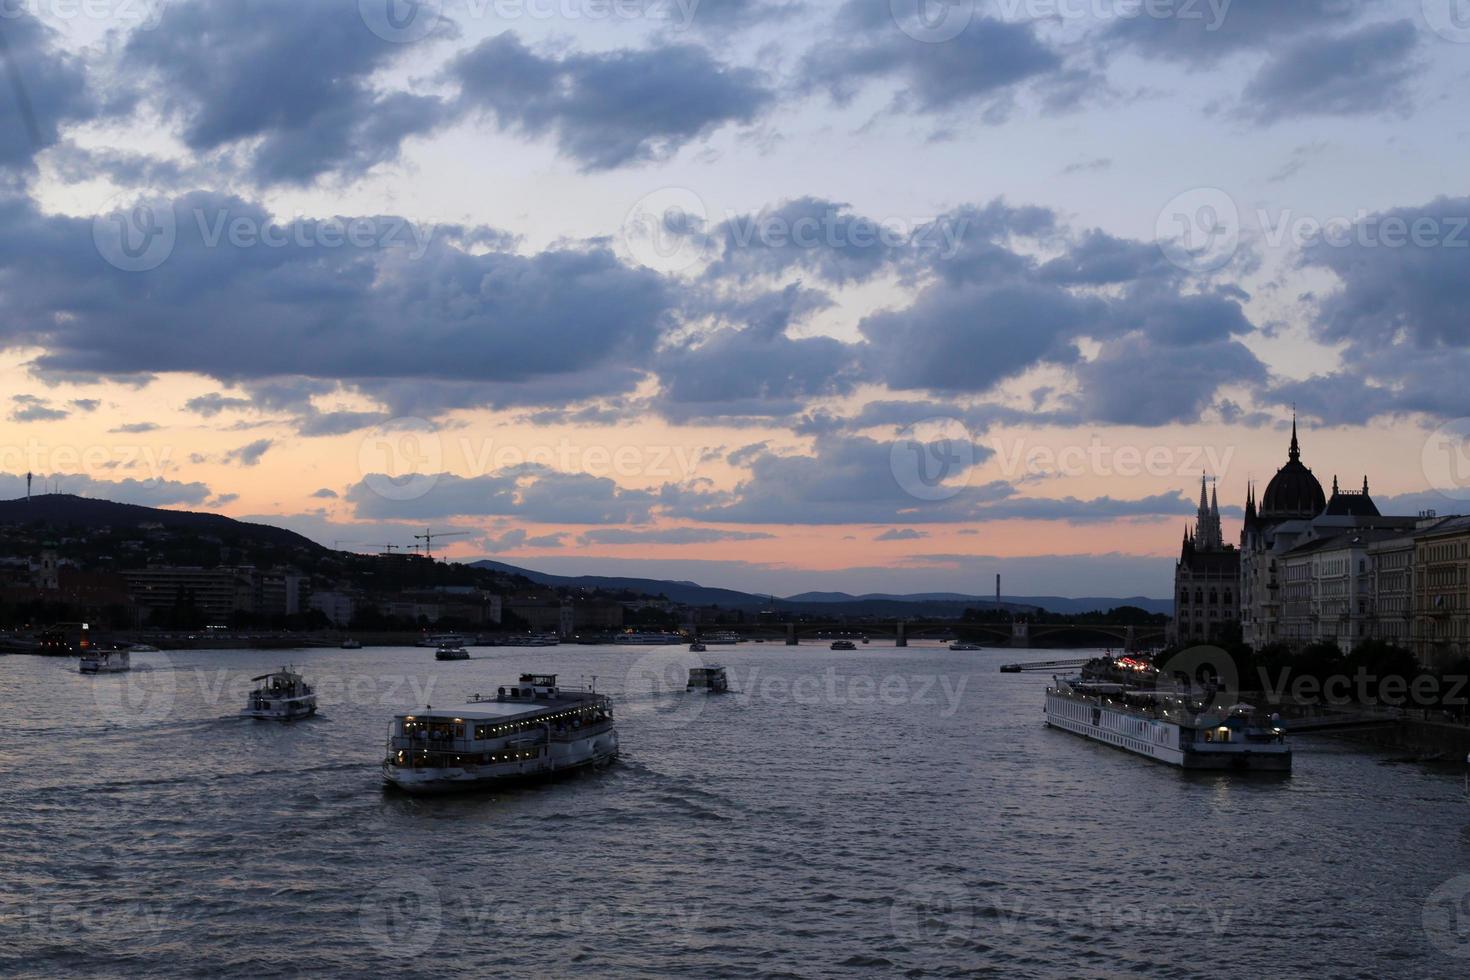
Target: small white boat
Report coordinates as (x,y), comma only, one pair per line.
(962,645)
(351,644)
(282,696)
(96,661)
(711,679)
(451,653)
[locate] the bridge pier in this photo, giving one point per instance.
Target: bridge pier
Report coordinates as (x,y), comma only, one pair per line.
(1130,640)
(1020,634)
(903,639)
(791,634)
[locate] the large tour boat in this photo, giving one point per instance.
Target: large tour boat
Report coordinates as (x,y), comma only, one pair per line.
(647,639)
(529,729)
(1167,726)
(282,696)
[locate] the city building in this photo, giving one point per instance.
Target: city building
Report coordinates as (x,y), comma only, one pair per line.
(1442,597)
(1206,578)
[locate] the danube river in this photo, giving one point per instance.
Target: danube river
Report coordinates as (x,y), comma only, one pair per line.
(877,813)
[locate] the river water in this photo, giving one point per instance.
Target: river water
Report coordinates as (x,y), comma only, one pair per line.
(883,812)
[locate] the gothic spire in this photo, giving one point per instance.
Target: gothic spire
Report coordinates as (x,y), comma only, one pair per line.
(1296,450)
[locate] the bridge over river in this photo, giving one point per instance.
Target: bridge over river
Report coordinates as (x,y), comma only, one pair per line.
(1019,634)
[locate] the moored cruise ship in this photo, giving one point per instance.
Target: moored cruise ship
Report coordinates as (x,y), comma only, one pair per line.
(1167,726)
(529,729)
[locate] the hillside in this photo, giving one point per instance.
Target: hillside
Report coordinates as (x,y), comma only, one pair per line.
(61,511)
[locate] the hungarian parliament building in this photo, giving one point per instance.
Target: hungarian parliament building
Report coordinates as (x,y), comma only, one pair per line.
(1312,568)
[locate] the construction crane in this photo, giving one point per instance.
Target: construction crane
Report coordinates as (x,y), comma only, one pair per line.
(389,549)
(429,535)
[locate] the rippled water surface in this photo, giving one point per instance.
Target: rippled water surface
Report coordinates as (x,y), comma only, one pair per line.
(876,813)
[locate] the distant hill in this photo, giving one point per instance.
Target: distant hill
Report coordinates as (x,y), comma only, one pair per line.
(62,510)
(931,604)
(1051,603)
(689,593)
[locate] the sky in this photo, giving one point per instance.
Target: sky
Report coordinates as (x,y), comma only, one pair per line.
(778,295)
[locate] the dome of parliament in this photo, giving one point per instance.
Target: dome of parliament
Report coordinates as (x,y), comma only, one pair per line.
(1293,492)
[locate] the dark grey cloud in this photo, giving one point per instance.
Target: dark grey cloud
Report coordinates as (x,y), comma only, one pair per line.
(288,85)
(725,16)
(1140,380)
(1215,29)
(1362,72)
(1403,277)
(672,535)
(984,63)
(249,454)
(377,314)
(30,408)
(901,534)
(214,403)
(610,109)
(136,428)
(42,88)
(325,493)
(85,404)
(530,493)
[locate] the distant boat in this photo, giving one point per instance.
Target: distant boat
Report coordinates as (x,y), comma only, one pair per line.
(443,639)
(105,662)
(142,648)
(351,644)
(959,645)
(647,639)
(697,647)
(281,696)
(451,652)
(711,679)
(843,645)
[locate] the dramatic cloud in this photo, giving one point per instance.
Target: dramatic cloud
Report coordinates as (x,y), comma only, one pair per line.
(1365,71)
(380,310)
(672,535)
(983,63)
(249,454)
(29,408)
(612,109)
(285,83)
(42,88)
(531,493)
(1202,34)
